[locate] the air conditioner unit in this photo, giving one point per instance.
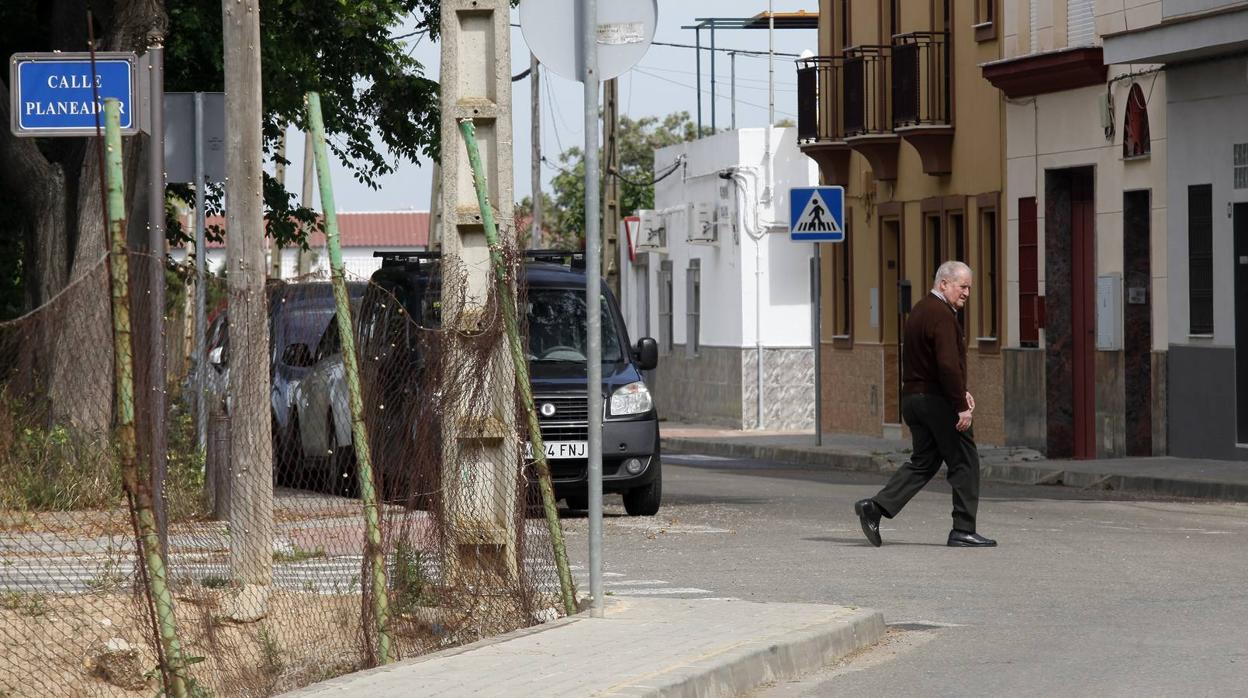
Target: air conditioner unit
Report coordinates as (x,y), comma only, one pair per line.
(652,235)
(702,223)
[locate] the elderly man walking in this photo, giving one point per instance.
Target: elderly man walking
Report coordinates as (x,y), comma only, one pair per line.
(937,408)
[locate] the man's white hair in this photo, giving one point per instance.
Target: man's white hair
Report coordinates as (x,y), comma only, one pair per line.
(948,272)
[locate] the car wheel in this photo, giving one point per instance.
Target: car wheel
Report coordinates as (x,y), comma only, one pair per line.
(645,500)
(340,468)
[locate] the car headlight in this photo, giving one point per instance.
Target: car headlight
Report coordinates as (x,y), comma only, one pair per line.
(633,398)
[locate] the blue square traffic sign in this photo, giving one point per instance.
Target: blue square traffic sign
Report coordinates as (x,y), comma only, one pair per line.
(55,94)
(817,214)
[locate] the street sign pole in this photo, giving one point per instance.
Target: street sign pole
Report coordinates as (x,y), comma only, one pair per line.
(593,279)
(201,295)
(816,317)
(156,296)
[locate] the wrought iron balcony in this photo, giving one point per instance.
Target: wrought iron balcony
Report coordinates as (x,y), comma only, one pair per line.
(868,108)
(921,101)
(820,119)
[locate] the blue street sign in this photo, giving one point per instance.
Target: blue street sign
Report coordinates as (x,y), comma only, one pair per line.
(817,214)
(54,94)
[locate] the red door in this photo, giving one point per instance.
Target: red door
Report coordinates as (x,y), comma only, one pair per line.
(1083,313)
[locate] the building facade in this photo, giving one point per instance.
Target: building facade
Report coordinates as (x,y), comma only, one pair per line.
(1085,351)
(895,110)
(1203,46)
(713,276)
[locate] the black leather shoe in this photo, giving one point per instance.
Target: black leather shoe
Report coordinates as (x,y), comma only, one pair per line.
(869,515)
(962,539)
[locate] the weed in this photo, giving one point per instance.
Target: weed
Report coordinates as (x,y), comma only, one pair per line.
(50,468)
(270,652)
(297,554)
(214,582)
(409,586)
(31,605)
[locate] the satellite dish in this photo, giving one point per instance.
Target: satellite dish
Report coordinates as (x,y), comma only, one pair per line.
(553,30)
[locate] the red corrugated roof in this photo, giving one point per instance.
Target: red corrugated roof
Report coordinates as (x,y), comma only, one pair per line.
(369,229)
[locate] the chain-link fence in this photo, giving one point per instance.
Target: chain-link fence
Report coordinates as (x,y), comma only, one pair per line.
(273,572)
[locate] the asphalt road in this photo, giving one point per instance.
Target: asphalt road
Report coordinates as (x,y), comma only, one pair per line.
(1088,594)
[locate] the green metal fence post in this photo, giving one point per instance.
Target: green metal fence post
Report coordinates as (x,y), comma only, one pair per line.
(368,493)
(138,486)
(508,302)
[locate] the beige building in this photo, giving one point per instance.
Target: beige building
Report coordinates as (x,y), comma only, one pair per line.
(1084,350)
(895,109)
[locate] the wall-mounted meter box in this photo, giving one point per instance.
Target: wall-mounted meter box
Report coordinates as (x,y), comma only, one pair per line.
(1109,312)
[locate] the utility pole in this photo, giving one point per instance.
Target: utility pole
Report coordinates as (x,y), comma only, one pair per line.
(279,173)
(611,185)
(251,457)
(535,229)
(480,473)
(306,257)
(157,377)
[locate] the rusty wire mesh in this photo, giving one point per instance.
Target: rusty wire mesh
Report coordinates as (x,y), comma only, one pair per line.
(267,557)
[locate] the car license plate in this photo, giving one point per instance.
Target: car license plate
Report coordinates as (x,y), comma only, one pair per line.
(561,449)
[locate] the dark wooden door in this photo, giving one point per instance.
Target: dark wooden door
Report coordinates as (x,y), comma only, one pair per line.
(1137,318)
(1241,323)
(1083,312)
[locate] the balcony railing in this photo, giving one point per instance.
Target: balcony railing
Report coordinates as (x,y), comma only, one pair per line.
(920,68)
(865,79)
(819,99)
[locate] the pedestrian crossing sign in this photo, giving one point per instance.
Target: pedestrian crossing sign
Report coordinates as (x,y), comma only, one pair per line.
(817,214)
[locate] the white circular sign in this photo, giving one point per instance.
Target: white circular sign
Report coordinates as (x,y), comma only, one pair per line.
(553,30)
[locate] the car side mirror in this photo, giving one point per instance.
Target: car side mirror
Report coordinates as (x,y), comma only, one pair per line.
(216,358)
(297,354)
(647,353)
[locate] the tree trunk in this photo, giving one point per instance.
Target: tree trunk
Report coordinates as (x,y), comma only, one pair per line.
(251,461)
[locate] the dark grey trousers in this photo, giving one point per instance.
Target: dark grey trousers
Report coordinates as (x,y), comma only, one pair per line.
(933,425)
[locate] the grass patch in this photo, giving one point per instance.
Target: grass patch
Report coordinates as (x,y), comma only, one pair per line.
(297,554)
(26,604)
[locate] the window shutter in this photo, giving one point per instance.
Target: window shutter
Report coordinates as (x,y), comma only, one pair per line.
(1080,23)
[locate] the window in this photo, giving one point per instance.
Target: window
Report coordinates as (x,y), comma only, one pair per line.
(1135,140)
(842,289)
(1200,258)
(985,20)
(1028,274)
(693,308)
(1241,165)
(988,273)
(1080,23)
(933,250)
(665,307)
(845,24)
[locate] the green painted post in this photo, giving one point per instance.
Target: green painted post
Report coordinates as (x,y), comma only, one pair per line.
(123,366)
(363,457)
(508,302)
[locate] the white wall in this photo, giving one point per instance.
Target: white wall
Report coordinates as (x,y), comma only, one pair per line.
(736,271)
(359,262)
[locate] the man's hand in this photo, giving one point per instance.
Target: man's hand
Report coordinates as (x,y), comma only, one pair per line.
(964,420)
(970,401)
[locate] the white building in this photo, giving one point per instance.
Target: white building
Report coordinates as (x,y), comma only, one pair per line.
(362,233)
(713,276)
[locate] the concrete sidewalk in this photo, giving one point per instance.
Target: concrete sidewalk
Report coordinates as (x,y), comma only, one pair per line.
(1178,477)
(642,647)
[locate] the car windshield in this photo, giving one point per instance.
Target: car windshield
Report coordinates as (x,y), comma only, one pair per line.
(304,325)
(557,327)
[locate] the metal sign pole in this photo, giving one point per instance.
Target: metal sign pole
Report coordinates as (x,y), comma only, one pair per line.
(816,317)
(156,298)
(593,281)
(201,294)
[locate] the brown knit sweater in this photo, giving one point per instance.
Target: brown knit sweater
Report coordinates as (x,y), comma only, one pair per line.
(934,356)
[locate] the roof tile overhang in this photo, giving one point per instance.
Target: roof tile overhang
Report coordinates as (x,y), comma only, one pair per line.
(1051,71)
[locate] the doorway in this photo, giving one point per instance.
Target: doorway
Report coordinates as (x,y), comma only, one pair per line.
(1241,322)
(891,319)
(1137,318)
(1070,327)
